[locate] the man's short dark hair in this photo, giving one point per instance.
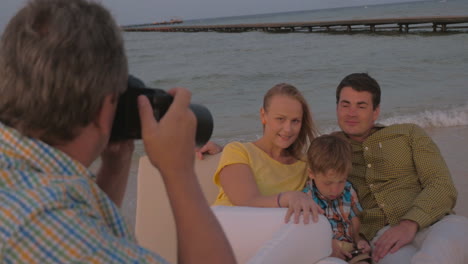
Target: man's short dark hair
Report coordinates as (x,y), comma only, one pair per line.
(360,82)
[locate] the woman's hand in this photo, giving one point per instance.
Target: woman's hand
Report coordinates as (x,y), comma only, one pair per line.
(209,148)
(297,203)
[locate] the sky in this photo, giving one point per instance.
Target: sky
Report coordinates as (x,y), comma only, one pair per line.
(147,11)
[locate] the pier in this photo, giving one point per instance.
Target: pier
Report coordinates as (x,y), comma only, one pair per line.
(403,25)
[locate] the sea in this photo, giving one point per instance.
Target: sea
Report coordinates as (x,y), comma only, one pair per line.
(423,75)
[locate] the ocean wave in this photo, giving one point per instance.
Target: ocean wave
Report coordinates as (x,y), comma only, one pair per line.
(456,116)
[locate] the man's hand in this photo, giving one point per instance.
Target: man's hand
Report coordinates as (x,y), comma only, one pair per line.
(170,142)
(394,238)
(299,202)
(117,152)
(209,148)
(170,145)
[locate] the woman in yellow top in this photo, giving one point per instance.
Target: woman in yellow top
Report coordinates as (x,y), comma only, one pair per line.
(271,171)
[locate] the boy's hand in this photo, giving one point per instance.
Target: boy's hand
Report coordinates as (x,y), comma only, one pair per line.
(338,252)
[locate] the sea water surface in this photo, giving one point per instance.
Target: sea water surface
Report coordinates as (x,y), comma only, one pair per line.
(423,76)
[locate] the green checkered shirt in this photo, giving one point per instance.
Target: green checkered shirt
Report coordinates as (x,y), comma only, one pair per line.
(399,173)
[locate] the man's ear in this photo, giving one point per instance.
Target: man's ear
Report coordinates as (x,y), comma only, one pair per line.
(376,113)
(105,116)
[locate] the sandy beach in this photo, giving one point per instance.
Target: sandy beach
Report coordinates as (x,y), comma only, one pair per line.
(452,141)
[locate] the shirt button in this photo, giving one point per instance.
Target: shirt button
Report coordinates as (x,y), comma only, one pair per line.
(369,165)
(371,185)
(366,148)
(382,205)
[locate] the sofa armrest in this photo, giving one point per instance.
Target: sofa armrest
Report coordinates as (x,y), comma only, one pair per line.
(154,224)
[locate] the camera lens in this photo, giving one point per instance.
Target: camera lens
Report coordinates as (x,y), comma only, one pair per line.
(204,124)
(127,120)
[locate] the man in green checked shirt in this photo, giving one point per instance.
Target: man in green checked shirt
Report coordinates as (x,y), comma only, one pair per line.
(403,183)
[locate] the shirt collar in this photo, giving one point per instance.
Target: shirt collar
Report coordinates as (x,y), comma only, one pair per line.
(26,152)
(376,128)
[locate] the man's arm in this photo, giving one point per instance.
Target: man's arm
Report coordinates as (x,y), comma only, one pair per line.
(438,195)
(112,176)
(437,198)
(169,145)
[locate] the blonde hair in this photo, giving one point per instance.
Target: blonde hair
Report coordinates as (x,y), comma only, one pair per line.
(58,60)
(308,130)
(329,152)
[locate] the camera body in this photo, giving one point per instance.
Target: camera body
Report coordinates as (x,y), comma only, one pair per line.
(127,119)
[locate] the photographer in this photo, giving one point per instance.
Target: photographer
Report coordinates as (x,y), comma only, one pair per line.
(62,69)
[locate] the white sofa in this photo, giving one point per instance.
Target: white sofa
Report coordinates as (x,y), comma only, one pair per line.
(257,235)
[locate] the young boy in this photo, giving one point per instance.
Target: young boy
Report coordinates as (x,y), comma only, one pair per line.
(329,160)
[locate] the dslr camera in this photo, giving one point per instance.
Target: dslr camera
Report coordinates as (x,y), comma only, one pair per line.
(127,120)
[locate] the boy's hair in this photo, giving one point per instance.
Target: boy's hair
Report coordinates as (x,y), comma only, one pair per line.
(58,61)
(329,152)
(308,130)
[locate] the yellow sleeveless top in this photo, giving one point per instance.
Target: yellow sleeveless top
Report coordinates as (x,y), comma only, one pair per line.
(271,176)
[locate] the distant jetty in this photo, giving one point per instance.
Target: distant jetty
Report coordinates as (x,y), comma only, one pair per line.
(404,25)
(172,21)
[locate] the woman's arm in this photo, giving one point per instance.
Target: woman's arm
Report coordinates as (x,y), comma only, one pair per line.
(238,182)
(112,176)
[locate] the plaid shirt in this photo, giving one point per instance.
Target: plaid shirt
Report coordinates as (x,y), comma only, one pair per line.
(52,211)
(339,211)
(399,173)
